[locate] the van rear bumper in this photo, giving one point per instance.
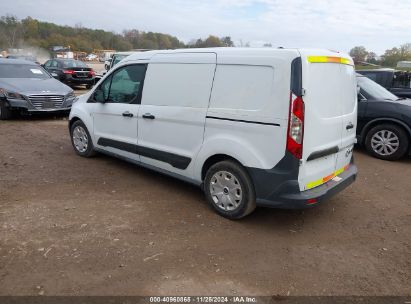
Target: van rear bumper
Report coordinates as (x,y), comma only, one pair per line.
(301,199)
(287,194)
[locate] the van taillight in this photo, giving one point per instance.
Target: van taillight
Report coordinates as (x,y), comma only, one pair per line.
(295,132)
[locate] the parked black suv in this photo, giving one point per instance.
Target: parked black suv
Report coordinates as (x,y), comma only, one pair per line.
(384,121)
(71,72)
(397,82)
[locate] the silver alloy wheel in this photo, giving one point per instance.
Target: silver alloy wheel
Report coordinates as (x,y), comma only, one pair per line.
(385,142)
(80,139)
(226,191)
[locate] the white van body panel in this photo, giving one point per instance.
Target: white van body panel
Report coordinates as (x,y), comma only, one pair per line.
(185,57)
(248,112)
(199,103)
(109,123)
(250,144)
(330,100)
(177,92)
(82,110)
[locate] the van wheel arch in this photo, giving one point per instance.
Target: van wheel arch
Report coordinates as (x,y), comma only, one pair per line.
(213,160)
(229,188)
(73,120)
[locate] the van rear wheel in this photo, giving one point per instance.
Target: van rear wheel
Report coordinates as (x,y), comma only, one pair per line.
(229,190)
(387,141)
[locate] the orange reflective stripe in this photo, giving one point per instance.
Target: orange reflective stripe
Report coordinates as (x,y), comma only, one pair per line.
(327,178)
(329,59)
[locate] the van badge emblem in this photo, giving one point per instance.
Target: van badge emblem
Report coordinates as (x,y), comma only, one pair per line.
(348,152)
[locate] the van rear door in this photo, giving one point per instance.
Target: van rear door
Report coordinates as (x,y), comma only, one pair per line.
(330,99)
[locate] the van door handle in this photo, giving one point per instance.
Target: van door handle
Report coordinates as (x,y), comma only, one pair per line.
(349,126)
(148,116)
(128,114)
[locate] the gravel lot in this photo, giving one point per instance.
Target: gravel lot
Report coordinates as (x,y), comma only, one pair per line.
(75,226)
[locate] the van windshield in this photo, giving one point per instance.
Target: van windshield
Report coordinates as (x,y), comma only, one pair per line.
(373,90)
(118,58)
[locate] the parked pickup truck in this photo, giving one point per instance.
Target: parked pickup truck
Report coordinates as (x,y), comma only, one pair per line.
(397,82)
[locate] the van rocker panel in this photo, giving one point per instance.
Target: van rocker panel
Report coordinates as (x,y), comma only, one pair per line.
(279,187)
(177,161)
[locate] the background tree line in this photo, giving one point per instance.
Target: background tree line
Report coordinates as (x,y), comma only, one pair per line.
(15,33)
(389,58)
(29,32)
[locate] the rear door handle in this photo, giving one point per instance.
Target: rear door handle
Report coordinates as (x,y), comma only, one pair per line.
(128,114)
(349,126)
(148,116)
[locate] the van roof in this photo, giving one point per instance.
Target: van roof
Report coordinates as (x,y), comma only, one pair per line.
(125,53)
(235,51)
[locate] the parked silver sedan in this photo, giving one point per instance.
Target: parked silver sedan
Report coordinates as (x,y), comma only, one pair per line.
(27,87)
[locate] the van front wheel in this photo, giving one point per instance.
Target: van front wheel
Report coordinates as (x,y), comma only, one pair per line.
(229,190)
(81,139)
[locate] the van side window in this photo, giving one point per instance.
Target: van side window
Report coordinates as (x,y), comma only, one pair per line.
(125,85)
(101,93)
(105,87)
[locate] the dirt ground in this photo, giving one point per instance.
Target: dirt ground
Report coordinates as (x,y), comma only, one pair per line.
(101,226)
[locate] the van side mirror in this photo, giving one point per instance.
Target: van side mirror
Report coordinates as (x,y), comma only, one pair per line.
(360,97)
(98,96)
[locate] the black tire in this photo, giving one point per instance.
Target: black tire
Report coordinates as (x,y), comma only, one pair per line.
(89,149)
(89,86)
(5,112)
(399,139)
(240,177)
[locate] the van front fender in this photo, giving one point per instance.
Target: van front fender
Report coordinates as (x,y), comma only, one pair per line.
(84,116)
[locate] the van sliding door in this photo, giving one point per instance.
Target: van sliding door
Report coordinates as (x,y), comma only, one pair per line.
(173,109)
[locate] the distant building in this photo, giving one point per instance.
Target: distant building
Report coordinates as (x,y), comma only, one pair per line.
(59,51)
(404,64)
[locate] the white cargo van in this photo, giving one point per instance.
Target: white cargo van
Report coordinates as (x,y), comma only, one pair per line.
(269,127)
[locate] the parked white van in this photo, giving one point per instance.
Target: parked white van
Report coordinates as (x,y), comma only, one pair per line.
(252,127)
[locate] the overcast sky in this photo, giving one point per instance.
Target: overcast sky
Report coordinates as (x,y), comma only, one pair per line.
(333,24)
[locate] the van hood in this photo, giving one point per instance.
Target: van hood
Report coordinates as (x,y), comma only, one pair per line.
(28,86)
